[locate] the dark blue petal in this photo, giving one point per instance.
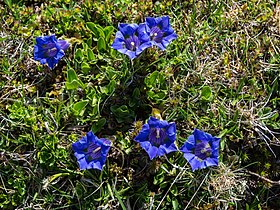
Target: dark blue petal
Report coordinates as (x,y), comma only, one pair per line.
(215,153)
(189,144)
(95,165)
(201,136)
(143,47)
(91,137)
(196,164)
(160,45)
(59,55)
(215,143)
(165,150)
(119,36)
(131,54)
(211,162)
(166,40)
(189,156)
(128,29)
(165,22)
(83,164)
(171,131)
(142,29)
(42,40)
(79,155)
(158,20)
(144,134)
(63,44)
(118,44)
(43,61)
(151,22)
(151,150)
(154,122)
(51,62)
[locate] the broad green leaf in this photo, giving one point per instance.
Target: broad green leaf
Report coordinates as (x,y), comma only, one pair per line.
(79,55)
(101,45)
(71,75)
(206,93)
(111,86)
(85,67)
(91,26)
(151,79)
(98,125)
(79,106)
(90,54)
(96,29)
(72,85)
(108,30)
(72,81)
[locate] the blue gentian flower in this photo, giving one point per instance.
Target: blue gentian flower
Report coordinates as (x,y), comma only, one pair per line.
(131,39)
(201,150)
(160,31)
(157,137)
(49,50)
(91,152)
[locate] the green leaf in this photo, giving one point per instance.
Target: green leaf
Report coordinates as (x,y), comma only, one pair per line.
(91,26)
(151,79)
(122,113)
(85,67)
(175,204)
(79,107)
(71,75)
(206,93)
(108,30)
(111,86)
(101,45)
(98,125)
(96,29)
(72,85)
(79,55)
(72,81)
(90,54)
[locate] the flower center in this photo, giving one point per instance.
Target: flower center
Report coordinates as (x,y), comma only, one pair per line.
(93,152)
(156,34)
(157,136)
(202,150)
(51,52)
(132,43)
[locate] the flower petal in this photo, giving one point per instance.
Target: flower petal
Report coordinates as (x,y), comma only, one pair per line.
(171,131)
(151,22)
(154,122)
(150,149)
(163,149)
(165,22)
(128,29)
(196,164)
(63,44)
(83,163)
(211,162)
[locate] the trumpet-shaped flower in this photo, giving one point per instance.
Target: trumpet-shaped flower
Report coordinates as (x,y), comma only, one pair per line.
(157,137)
(160,31)
(201,150)
(131,39)
(91,152)
(49,50)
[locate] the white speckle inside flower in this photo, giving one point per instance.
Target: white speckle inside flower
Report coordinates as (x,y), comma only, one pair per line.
(157,136)
(203,150)
(132,44)
(96,150)
(155,34)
